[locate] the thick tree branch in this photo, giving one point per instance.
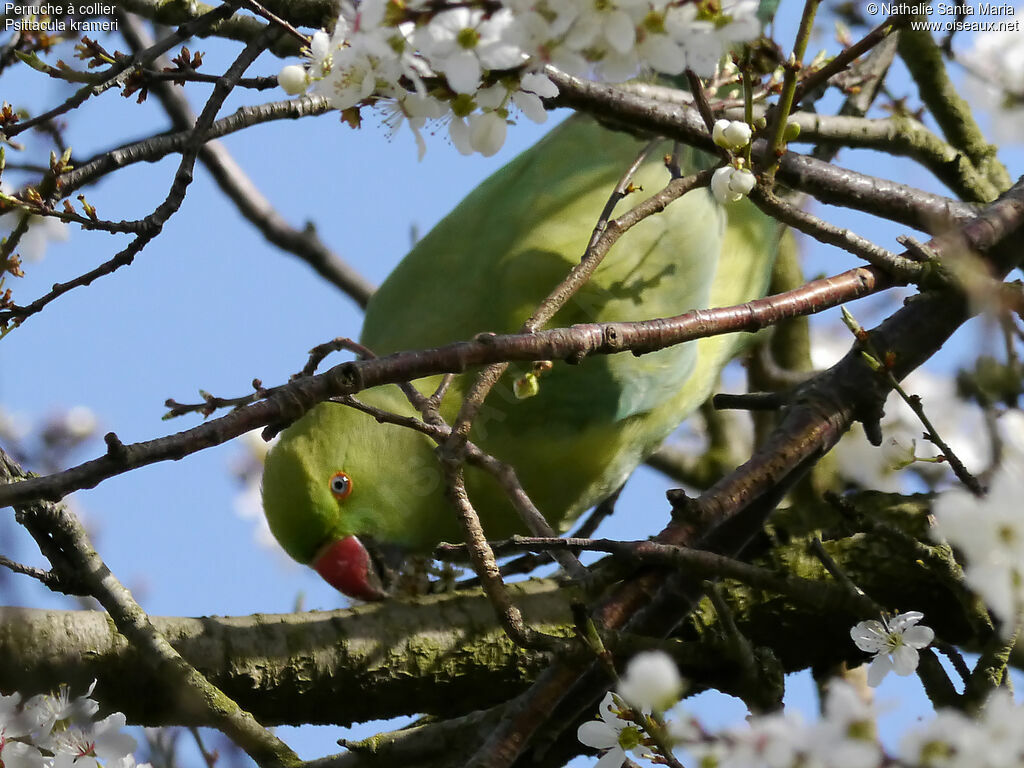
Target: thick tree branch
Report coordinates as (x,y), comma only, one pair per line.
(446,655)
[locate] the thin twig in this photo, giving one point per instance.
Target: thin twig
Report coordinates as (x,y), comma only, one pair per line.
(273,18)
(700,98)
(118,73)
(242,191)
(901,268)
(842,60)
(776,141)
(50,579)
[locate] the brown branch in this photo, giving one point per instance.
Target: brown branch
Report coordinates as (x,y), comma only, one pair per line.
(153,148)
(288,402)
(18,314)
(831,184)
(900,267)
(274,19)
(486,568)
(814,594)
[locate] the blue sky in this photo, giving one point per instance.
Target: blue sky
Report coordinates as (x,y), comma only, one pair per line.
(211,305)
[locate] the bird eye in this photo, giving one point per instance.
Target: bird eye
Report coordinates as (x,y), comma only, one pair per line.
(341,486)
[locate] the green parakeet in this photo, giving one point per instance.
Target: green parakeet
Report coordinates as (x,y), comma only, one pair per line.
(337,477)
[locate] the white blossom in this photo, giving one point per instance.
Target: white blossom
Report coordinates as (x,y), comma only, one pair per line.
(895,641)
(414,110)
(1002,723)
(772,741)
(98,744)
(542,32)
(47,710)
(992,739)
(14,427)
(844,737)
(651,681)
(989,532)
(295,79)
(532,88)
(743,24)
(16,726)
(56,731)
(461,43)
(730,185)
(611,734)
(80,422)
(950,740)
(487,133)
(458,132)
(371,57)
(897,454)
(320,47)
(697,37)
(353,77)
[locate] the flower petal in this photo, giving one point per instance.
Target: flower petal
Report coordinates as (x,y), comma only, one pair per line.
(905,620)
(878,670)
(462,70)
(918,637)
(905,660)
(619,31)
(870,636)
(613,758)
(597,735)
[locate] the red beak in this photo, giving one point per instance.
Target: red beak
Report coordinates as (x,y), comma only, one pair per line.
(346,566)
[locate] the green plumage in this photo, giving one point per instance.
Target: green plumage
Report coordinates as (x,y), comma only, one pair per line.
(486,267)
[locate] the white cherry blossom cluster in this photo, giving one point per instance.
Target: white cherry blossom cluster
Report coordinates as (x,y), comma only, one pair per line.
(470,67)
(842,738)
(992,739)
(56,731)
(989,533)
(845,736)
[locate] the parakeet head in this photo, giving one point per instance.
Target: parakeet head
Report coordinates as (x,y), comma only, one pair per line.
(337,480)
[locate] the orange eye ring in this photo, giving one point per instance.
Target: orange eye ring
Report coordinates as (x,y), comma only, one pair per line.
(340,485)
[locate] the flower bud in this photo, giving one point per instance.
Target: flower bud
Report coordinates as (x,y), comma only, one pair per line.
(293,80)
(729,185)
(731,134)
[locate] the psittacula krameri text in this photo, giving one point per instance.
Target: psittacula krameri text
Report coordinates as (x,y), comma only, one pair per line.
(338,478)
